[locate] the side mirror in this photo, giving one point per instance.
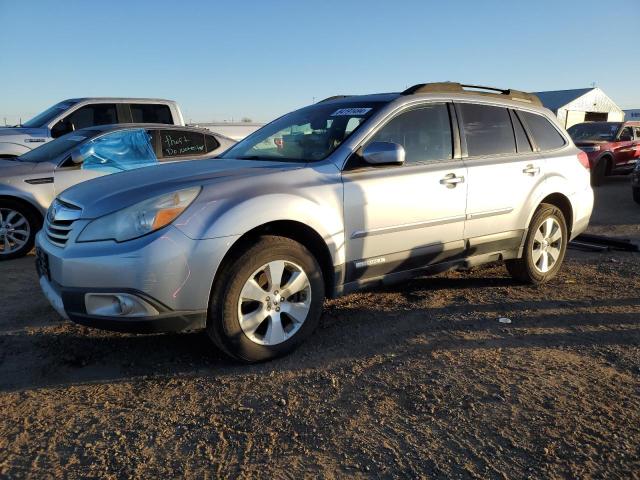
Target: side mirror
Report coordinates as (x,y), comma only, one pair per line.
(76,157)
(384,153)
(61,128)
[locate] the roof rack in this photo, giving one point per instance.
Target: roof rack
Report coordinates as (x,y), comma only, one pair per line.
(335,97)
(453,87)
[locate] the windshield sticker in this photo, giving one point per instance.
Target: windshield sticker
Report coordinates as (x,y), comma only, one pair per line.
(350,112)
(76,138)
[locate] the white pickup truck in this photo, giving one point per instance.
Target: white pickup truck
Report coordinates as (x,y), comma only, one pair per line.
(77,113)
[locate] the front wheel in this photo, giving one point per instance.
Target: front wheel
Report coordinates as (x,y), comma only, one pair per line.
(544,249)
(266,300)
(18,228)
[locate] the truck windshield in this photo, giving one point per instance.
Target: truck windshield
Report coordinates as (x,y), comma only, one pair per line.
(42,119)
(51,150)
(605,131)
(306,135)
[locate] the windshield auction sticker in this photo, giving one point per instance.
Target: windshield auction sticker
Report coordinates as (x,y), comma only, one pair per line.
(350,112)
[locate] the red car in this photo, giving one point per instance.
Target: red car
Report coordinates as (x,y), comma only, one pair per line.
(612,147)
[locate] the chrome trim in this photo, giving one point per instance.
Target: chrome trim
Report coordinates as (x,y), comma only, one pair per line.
(489,213)
(407,226)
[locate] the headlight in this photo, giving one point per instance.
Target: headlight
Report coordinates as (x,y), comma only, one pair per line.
(139,219)
(592,148)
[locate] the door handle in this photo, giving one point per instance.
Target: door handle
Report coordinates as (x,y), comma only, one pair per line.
(531,170)
(450,180)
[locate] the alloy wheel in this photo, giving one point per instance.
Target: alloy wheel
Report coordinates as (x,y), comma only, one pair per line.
(14,231)
(547,245)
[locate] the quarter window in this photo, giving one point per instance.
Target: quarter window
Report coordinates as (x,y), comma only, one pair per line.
(148,113)
(487,130)
(544,133)
(425,134)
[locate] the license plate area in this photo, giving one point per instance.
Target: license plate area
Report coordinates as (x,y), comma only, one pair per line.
(42,264)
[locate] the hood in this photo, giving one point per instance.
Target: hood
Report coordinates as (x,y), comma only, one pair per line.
(11,168)
(589,143)
(22,132)
(110,193)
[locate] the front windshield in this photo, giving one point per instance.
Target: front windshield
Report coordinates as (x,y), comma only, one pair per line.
(50,150)
(306,135)
(594,131)
(49,114)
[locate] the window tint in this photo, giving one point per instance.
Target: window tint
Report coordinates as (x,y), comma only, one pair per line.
(147,113)
(522,142)
(425,134)
(544,134)
(99,114)
(181,143)
(487,129)
(211,143)
(118,151)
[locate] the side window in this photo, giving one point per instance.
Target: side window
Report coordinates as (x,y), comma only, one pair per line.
(181,143)
(98,114)
(522,142)
(149,113)
(118,151)
(487,130)
(425,134)
(544,133)
(626,133)
(210,143)
(637,130)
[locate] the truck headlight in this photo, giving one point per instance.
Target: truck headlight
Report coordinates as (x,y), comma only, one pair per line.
(139,219)
(592,148)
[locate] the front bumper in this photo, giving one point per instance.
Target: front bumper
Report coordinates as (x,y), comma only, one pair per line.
(166,271)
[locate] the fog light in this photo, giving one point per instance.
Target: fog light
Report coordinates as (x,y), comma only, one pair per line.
(118,305)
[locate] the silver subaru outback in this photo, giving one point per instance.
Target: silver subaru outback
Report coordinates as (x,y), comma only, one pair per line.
(348,193)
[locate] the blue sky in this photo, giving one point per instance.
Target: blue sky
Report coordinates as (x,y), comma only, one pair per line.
(259,59)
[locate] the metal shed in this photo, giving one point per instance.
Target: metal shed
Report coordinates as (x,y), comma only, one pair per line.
(581,105)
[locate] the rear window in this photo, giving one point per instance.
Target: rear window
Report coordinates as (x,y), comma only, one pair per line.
(487,130)
(545,135)
(149,113)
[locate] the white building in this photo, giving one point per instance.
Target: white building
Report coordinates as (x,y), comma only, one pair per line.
(581,105)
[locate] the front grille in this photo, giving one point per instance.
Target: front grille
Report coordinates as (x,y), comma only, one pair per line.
(59,222)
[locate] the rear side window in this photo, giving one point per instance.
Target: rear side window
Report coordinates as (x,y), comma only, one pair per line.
(487,130)
(544,133)
(91,115)
(211,143)
(181,143)
(425,134)
(149,113)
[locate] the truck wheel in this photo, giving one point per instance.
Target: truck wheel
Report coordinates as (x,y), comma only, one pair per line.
(636,195)
(266,300)
(599,172)
(544,249)
(18,227)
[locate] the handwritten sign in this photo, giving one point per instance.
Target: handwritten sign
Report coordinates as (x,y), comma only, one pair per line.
(182,144)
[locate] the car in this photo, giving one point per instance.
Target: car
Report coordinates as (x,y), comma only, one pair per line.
(79,113)
(612,147)
(29,183)
(635,183)
(349,193)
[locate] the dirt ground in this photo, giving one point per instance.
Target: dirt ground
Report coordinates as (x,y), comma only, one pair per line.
(416,380)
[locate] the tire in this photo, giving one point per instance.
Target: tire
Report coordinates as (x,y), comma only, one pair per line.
(636,195)
(599,172)
(530,269)
(19,224)
(248,330)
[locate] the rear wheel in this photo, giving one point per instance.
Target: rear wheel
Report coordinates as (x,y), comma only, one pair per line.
(599,172)
(18,227)
(266,300)
(636,195)
(544,249)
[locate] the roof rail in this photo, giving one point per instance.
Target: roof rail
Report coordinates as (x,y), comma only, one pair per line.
(452,87)
(335,97)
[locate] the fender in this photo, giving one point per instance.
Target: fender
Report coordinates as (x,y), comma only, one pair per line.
(553,183)
(13,149)
(9,192)
(228,219)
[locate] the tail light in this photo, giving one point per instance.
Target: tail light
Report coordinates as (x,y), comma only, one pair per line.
(584,160)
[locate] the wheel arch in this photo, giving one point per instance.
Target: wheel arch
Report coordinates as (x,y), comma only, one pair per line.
(563,203)
(33,208)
